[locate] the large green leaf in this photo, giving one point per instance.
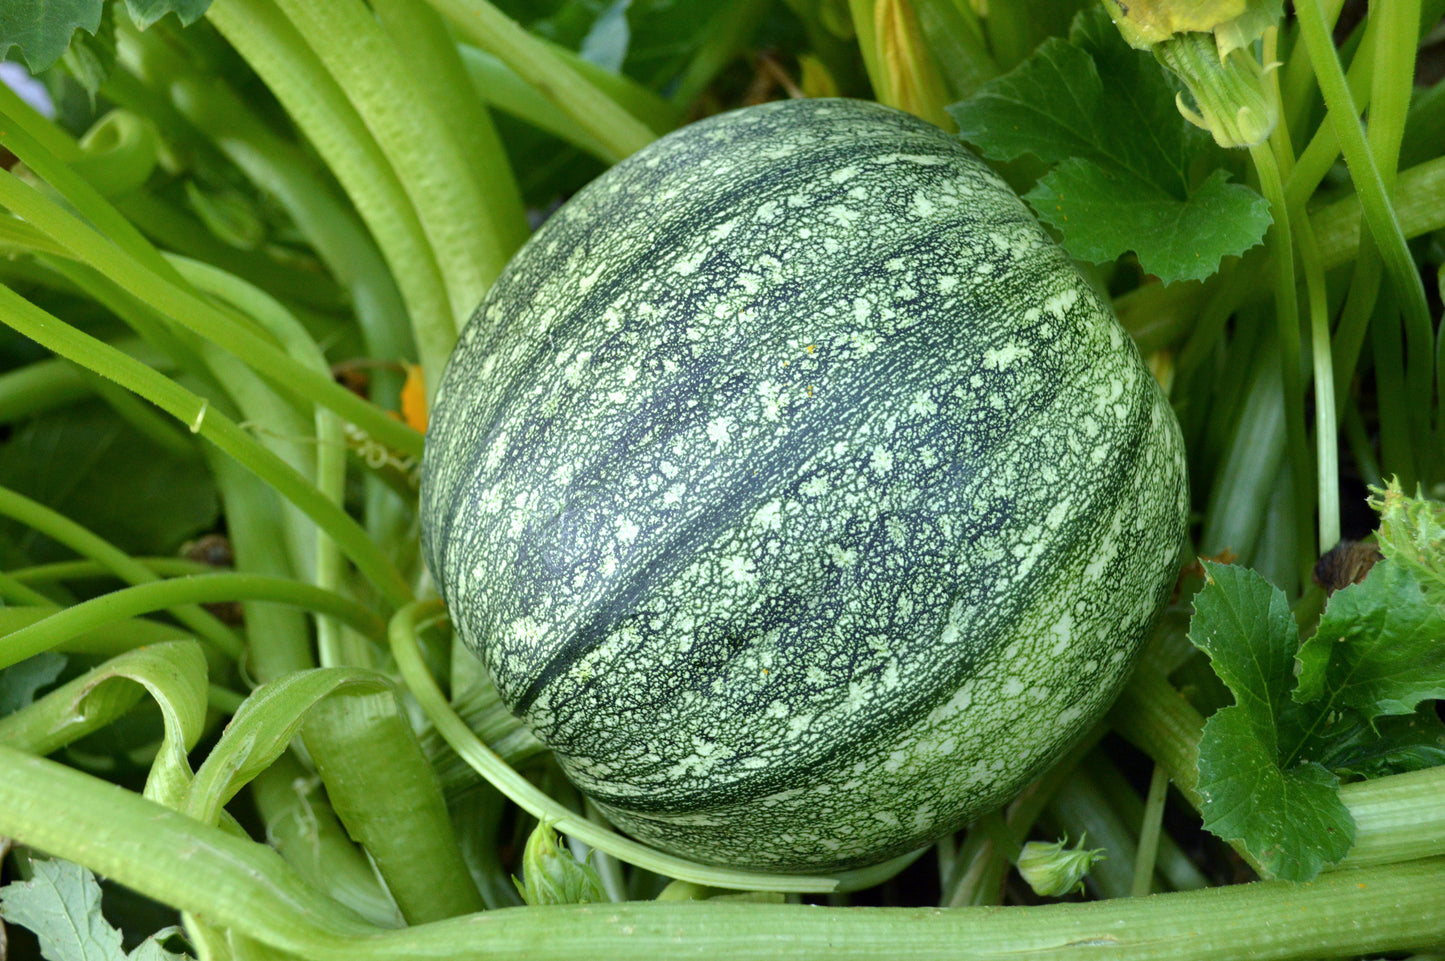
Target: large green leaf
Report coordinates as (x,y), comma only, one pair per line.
(1131,174)
(43,29)
(1380,646)
(100,471)
(61,905)
(1288,814)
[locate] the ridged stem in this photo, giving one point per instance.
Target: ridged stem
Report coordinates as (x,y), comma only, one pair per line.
(381,787)
(235,883)
(1374,189)
(128,602)
(112,559)
(604,121)
(196,412)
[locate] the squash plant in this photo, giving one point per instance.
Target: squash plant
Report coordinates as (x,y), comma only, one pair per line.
(245,237)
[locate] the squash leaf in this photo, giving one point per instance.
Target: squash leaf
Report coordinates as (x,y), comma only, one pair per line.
(61,905)
(1130,173)
(1380,646)
(1360,706)
(19,682)
(1287,813)
(42,31)
(102,472)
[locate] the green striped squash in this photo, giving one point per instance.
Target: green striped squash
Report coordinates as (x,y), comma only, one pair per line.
(797,492)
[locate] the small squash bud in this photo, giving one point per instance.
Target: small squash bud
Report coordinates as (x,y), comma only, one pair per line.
(906,75)
(1053,870)
(1412,534)
(1208,45)
(1228,90)
(551,875)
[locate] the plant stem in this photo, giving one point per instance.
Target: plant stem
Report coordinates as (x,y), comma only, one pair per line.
(1148,851)
(379,784)
(1374,192)
(88,569)
(532,60)
(62,529)
(173,672)
(1000,835)
(215,427)
(1327,458)
(281,170)
(302,826)
(328,462)
(1286,306)
(15,591)
(238,884)
(128,602)
(293,72)
(472,223)
(177,301)
(1081,810)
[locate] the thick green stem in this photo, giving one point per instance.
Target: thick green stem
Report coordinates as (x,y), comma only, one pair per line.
(293,72)
(62,529)
(177,301)
(159,595)
(381,787)
(328,462)
(280,169)
(1374,191)
(212,425)
(88,569)
(1286,306)
(14,591)
(301,825)
(1149,831)
(472,223)
(235,883)
(1080,810)
(598,115)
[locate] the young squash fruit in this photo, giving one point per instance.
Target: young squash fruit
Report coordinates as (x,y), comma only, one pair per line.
(797,492)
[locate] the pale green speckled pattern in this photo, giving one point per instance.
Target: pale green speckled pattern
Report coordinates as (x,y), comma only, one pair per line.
(798,492)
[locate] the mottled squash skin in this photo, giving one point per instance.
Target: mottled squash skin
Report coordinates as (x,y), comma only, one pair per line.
(797,492)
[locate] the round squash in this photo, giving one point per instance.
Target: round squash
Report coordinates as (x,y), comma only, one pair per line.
(797,492)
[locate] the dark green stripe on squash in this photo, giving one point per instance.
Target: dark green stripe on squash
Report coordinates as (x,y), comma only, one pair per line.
(797,491)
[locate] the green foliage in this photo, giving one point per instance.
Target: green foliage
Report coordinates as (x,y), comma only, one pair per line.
(1255,788)
(1053,870)
(61,905)
(44,31)
(1412,534)
(1269,765)
(1379,648)
(552,875)
(102,471)
(266,156)
(19,682)
(1127,167)
(42,34)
